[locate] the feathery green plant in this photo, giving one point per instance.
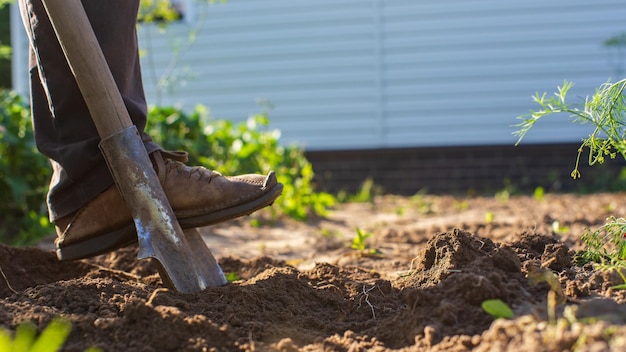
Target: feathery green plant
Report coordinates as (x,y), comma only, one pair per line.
(605,111)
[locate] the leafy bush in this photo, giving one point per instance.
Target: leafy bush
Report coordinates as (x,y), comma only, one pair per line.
(218,145)
(24,175)
(247,147)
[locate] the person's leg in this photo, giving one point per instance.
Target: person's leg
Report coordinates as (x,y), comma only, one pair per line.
(89,213)
(64,130)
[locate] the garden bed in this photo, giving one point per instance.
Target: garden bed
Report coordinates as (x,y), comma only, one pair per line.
(425,266)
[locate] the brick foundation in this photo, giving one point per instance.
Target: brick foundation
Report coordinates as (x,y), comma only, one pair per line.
(459,170)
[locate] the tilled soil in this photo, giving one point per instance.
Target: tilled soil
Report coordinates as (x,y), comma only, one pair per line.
(429,263)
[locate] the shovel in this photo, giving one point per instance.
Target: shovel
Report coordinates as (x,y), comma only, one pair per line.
(186,263)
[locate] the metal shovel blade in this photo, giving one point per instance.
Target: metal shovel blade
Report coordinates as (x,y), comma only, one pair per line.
(187,263)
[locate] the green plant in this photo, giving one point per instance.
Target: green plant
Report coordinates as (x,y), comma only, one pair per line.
(605,244)
(424,205)
(559,229)
(505,193)
(328,233)
(489,216)
(460,205)
(51,338)
(232,276)
(497,309)
(242,148)
(555,294)
(161,11)
(5,49)
(539,194)
(359,243)
(24,174)
(605,111)
(365,193)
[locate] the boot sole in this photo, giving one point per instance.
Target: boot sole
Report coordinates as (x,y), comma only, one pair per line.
(127,235)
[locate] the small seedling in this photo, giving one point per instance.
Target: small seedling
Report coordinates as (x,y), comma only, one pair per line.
(505,193)
(558,229)
(255,222)
(328,233)
(358,243)
(489,216)
(232,276)
(555,295)
(366,193)
(461,205)
(424,205)
(497,309)
(539,194)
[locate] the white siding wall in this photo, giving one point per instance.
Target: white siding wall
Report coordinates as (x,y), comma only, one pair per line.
(388,73)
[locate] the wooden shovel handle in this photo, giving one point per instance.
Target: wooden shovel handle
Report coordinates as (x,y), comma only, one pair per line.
(89,66)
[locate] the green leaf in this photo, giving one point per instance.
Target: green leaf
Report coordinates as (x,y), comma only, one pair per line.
(232,277)
(5,340)
(25,334)
(497,308)
(53,336)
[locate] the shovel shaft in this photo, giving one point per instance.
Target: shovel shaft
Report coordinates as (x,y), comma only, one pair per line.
(89,66)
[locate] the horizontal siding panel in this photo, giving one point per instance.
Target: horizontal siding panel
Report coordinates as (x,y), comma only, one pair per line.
(402,73)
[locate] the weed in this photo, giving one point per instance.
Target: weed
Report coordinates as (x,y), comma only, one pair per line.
(424,205)
(539,194)
(604,110)
(606,244)
(559,229)
(255,222)
(489,216)
(232,276)
(358,243)
(460,205)
(328,233)
(497,309)
(505,193)
(555,295)
(366,193)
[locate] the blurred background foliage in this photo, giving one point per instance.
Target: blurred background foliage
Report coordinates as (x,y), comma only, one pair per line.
(220,145)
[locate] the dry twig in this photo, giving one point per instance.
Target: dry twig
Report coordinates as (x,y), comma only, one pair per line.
(7,281)
(365,294)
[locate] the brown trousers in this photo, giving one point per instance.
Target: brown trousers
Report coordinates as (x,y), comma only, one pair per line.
(63,128)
